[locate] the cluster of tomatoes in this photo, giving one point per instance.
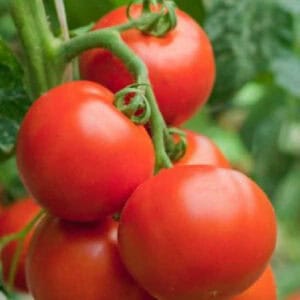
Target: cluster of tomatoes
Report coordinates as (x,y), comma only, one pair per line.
(199,230)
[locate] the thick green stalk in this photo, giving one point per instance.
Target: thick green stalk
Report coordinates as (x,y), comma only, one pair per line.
(43,70)
(34,67)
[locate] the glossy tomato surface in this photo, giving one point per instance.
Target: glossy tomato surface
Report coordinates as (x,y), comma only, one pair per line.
(79,156)
(70,261)
(263,289)
(181,64)
(202,151)
(197,232)
(12,220)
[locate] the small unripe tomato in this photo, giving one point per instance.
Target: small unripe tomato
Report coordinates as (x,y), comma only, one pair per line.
(202,151)
(197,233)
(181,64)
(69,261)
(78,155)
(263,289)
(12,220)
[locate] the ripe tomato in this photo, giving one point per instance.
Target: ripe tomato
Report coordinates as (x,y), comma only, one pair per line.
(78,155)
(197,232)
(263,289)
(13,219)
(78,261)
(202,151)
(181,64)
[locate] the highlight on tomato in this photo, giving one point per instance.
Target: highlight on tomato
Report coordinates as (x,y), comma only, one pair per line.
(181,64)
(197,232)
(78,155)
(13,219)
(78,261)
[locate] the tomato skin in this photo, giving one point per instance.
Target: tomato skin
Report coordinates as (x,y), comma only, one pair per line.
(197,232)
(202,151)
(78,155)
(13,219)
(78,261)
(263,289)
(181,64)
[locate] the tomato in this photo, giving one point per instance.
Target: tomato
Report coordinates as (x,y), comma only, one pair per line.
(181,64)
(201,150)
(13,219)
(197,232)
(263,289)
(78,155)
(78,261)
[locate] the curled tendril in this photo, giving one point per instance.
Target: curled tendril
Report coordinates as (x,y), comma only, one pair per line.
(132,102)
(176,143)
(158,22)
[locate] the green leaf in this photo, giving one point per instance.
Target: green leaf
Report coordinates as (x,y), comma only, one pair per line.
(288,278)
(245,39)
(287,198)
(4,6)
(82,13)
(194,8)
(14,101)
(8,133)
(260,133)
(286,69)
(291,6)
(289,138)
(10,181)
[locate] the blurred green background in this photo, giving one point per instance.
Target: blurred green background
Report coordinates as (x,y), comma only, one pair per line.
(254,111)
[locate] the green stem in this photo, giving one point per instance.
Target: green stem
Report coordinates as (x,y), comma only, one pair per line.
(147,6)
(24,22)
(110,39)
(158,129)
(20,237)
(43,70)
(14,264)
(296,25)
(62,18)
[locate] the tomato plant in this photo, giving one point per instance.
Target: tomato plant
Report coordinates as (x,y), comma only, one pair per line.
(202,151)
(264,288)
(197,232)
(78,261)
(12,219)
(190,227)
(78,155)
(182,76)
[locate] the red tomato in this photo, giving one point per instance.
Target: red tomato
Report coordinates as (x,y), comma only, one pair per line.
(202,151)
(69,261)
(13,219)
(263,289)
(197,232)
(181,64)
(78,155)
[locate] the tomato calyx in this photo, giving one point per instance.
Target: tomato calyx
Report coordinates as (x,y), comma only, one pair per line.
(175,143)
(132,102)
(158,17)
